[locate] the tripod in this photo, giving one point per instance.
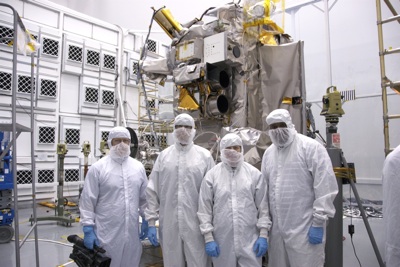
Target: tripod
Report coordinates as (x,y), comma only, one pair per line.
(334,233)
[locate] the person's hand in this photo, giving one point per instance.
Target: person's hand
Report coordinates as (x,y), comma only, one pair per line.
(152,236)
(144,229)
(89,238)
(260,246)
(315,235)
(212,249)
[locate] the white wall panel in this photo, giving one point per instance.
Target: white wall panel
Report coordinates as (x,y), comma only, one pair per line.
(77,26)
(17,5)
(42,15)
(69,94)
(107,76)
(88,133)
(105,35)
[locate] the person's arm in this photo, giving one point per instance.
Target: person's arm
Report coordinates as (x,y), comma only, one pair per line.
(87,207)
(152,194)
(205,209)
(325,185)
(205,215)
(142,196)
(261,201)
(89,197)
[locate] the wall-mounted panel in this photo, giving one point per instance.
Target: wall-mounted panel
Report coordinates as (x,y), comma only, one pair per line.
(24,86)
(77,26)
(129,42)
(89,99)
(69,93)
(5,81)
(92,58)
(48,92)
(73,56)
(108,61)
(48,88)
(107,98)
(107,76)
(70,134)
(41,15)
(105,35)
(46,130)
(50,47)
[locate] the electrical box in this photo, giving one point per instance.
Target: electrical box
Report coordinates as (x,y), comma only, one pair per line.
(215,47)
(190,50)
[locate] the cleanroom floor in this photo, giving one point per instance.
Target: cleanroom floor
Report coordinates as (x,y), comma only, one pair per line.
(54,249)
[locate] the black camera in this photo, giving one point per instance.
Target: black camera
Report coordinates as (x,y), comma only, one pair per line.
(85,257)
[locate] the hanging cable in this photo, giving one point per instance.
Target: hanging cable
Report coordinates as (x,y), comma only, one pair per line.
(143,55)
(351,230)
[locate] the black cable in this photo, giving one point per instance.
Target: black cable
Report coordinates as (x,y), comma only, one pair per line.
(351,230)
(205,12)
(355,253)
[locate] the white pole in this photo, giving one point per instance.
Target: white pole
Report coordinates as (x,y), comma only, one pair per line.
(328,42)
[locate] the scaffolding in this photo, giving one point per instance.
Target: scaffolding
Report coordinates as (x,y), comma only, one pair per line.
(153,129)
(16,129)
(386,82)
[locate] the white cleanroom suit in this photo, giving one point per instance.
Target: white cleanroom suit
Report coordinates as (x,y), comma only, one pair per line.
(391,207)
(233,208)
(112,198)
(301,189)
(173,193)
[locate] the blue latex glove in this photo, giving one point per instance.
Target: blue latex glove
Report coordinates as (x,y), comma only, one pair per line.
(152,236)
(144,229)
(89,238)
(315,235)
(260,246)
(212,249)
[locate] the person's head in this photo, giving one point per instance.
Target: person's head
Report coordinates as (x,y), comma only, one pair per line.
(119,140)
(281,129)
(184,131)
(231,150)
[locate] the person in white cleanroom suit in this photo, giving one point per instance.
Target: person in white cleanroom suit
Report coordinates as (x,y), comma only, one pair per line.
(112,198)
(301,189)
(172,195)
(233,209)
(391,207)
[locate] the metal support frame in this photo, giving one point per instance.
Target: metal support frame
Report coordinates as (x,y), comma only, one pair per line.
(16,129)
(385,81)
(334,232)
(59,215)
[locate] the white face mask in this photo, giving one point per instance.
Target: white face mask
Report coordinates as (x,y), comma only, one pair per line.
(184,136)
(120,150)
(231,157)
(279,136)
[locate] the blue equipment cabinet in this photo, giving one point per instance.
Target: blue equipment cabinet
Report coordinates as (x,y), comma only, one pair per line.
(6,186)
